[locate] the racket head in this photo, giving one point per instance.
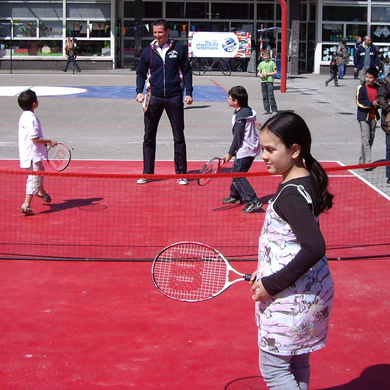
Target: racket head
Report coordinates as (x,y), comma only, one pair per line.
(190,272)
(145,103)
(58,156)
(211,167)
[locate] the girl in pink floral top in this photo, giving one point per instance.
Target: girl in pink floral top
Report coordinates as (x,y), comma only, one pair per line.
(293,287)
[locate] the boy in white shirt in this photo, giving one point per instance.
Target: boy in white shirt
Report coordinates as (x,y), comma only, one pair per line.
(32,149)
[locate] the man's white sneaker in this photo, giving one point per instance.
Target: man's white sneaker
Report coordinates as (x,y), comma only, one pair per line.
(143,181)
(182,181)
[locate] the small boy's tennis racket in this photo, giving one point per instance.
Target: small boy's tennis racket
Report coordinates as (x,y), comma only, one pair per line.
(212,166)
(58,156)
(192,272)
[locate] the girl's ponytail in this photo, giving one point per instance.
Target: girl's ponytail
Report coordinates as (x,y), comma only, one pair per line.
(320,180)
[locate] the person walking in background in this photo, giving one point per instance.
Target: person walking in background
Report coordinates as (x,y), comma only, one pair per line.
(367,113)
(365,57)
(342,57)
(165,66)
(32,149)
(292,287)
(333,70)
(267,71)
(383,100)
(71,53)
(245,147)
(358,42)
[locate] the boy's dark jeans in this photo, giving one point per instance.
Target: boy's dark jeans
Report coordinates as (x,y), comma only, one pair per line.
(269,102)
(241,188)
(333,76)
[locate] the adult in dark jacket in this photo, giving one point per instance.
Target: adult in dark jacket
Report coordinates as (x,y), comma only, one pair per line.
(383,100)
(365,57)
(165,67)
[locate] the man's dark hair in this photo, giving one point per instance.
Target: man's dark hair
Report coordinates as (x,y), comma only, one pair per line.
(240,94)
(162,22)
(27,99)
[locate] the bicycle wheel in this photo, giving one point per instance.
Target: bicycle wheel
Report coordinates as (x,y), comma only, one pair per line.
(225,68)
(203,66)
(195,65)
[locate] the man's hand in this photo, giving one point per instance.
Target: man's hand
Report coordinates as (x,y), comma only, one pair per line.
(188,99)
(140,98)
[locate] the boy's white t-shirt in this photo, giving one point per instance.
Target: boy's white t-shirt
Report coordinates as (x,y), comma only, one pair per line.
(29,129)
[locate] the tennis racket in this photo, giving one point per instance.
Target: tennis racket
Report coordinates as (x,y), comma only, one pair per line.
(145,103)
(212,166)
(192,272)
(58,156)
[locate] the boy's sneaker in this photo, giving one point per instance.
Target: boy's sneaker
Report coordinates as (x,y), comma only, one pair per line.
(182,182)
(252,206)
(266,113)
(232,199)
(143,181)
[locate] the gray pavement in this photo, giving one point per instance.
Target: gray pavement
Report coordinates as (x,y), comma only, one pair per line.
(112,129)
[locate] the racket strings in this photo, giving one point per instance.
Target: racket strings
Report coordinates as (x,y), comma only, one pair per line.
(190,272)
(58,157)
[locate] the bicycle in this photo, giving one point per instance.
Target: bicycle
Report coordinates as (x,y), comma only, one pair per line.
(202,65)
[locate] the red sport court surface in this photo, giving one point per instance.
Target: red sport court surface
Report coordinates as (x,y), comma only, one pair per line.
(103,325)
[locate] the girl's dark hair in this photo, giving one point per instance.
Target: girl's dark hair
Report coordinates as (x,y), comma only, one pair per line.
(240,94)
(291,129)
(26,100)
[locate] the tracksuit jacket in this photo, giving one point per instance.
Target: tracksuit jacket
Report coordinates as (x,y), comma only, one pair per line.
(364,104)
(360,54)
(165,79)
(245,139)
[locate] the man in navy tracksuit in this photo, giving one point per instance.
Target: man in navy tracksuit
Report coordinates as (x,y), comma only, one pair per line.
(165,67)
(365,57)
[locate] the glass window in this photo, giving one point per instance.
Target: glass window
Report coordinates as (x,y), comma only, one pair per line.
(25,29)
(152,10)
(355,29)
(302,32)
(187,10)
(47,10)
(5,26)
(77,29)
(93,48)
(380,14)
(332,32)
(210,26)
(313,11)
(353,14)
(231,11)
(129,9)
(265,12)
(99,29)
(88,11)
(128,47)
(380,33)
(33,48)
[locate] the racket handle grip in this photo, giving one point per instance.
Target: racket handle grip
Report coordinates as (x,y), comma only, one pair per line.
(247,277)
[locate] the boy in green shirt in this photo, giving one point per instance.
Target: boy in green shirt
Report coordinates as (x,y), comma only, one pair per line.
(267,71)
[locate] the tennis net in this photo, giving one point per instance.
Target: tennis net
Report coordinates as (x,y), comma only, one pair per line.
(110,217)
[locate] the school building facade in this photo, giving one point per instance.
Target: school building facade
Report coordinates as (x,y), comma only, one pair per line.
(111,33)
